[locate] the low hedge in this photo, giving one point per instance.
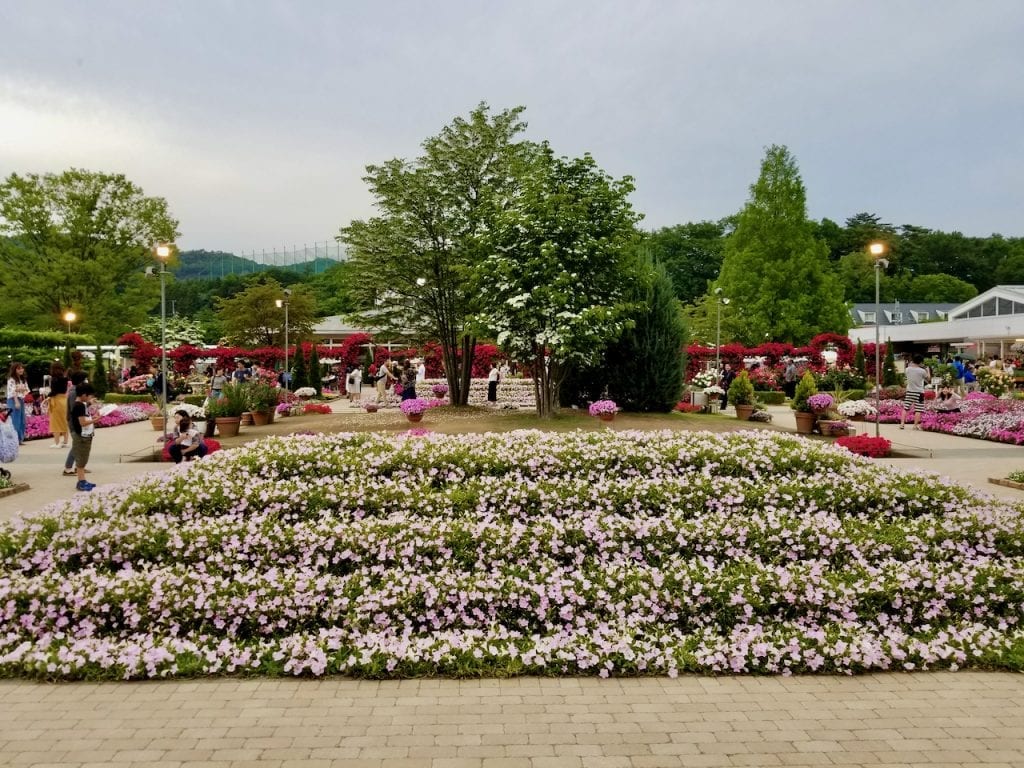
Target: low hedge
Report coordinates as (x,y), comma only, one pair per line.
(771,398)
(196,400)
(116,397)
(855,394)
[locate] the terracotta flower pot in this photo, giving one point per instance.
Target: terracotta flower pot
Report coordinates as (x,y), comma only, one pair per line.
(743,412)
(260,418)
(414,417)
(158,423)
(247,418)
(804,422)
(227,426)
(606,416)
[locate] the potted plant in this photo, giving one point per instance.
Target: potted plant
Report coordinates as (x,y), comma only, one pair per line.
(805,417)
(369,406)
(414,408)
(227,410)
(741,395)
(604,409)
(261,399)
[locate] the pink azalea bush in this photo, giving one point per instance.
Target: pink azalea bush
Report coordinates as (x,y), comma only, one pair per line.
(605,553)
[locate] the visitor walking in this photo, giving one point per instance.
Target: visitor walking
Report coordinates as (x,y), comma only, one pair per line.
(407,378)
(83,426)
(384,378)
(727,378)
(492,384)
(75,379)
(17,391)
(789,378)
(917,376)
(58,407)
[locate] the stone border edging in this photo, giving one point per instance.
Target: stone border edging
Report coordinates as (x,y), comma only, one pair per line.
(1007,483)
(16,488)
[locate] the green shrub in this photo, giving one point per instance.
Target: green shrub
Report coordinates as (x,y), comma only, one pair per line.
(835,379)
(196,400)
(771,397)
(804,389)
(741,391)
(856,394)
(117,397)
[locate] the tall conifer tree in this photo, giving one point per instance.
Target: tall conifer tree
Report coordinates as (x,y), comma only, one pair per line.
(775,271)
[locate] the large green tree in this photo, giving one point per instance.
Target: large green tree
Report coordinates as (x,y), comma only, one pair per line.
(416,262)
(556,269)
(691,255)
(252,317)
(775,271)
(78,240)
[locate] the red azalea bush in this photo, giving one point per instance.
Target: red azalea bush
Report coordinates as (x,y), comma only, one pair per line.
(684,407)
(866,445)
(316,408)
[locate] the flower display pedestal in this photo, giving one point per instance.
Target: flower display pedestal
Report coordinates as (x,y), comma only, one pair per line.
(743,412)
(714,405)
(699,398)
(830,428)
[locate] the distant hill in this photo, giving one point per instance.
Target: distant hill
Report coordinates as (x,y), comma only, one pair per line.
(205,265)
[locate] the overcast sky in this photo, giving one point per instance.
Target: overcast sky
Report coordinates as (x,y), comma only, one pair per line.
(255,119)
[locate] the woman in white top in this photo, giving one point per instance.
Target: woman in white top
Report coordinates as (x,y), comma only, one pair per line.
(17,389)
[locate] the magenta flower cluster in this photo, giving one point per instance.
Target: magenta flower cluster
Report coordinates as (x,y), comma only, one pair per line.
(602,406)
(604,553)
(820,402)
(985,418)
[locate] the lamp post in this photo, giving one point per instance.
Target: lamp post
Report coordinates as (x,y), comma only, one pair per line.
(163,253)
(286,376)
(69,318)
(718,331)
(876,250)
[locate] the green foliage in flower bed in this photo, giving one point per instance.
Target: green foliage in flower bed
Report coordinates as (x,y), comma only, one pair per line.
(117,397)
(520,553)
(771,398)
(1017,477)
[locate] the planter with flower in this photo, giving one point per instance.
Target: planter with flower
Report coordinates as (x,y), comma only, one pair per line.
(741,395)
(226,411)
(305,393)
(414,408)
(857,410)
(261,399)
(804,413)
(699,386)
(440,390)
(369,406)
(605,410)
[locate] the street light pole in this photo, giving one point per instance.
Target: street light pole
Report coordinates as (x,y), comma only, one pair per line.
(286,377)
(163,252)
(69,318)
(877,249)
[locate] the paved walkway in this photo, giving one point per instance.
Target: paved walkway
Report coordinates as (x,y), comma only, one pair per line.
(922,719)
(963,719)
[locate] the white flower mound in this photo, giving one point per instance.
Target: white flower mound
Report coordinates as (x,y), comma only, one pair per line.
(588,552)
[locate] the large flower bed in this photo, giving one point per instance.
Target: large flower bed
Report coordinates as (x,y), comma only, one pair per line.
(585,552)
(38,427)
(983,417)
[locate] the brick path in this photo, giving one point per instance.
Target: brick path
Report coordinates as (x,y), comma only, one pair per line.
(923,719)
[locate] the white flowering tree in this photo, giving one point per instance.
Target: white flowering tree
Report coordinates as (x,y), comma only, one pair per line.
(553,280)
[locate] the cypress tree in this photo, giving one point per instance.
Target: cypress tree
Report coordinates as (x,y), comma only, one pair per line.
(67,357)
(314,373)
(99,375)
(647,364)
(859,364)
(299,377)
(889,376)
